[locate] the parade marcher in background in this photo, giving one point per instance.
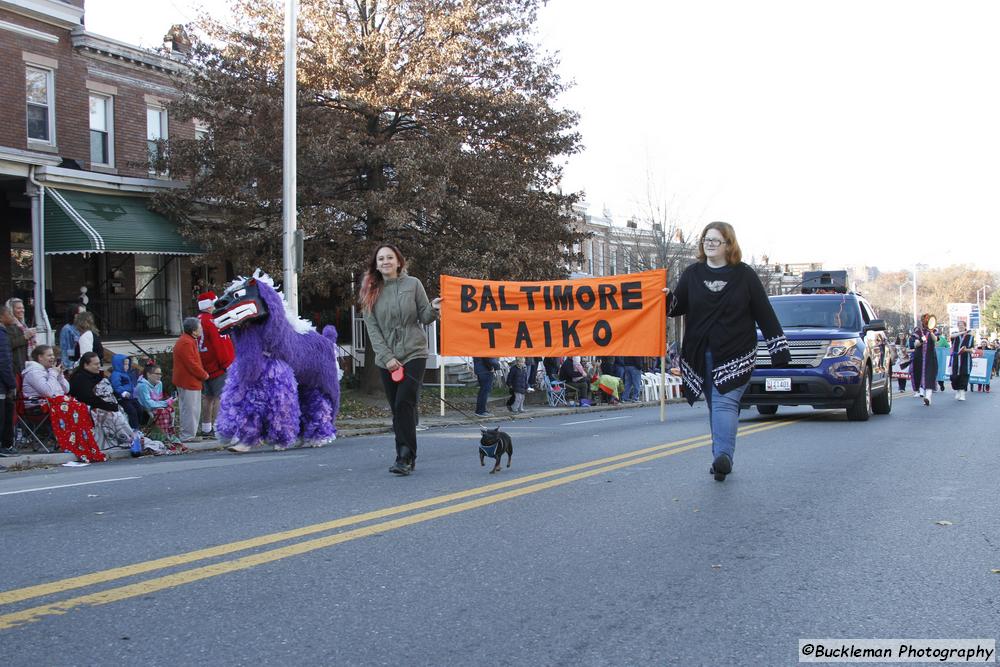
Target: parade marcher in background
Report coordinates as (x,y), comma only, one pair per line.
(483,367)
(724,302)
(90,339)
(16,339)
(68,337)
(902,362)
(942,344)
(217,355)
(961,360)
(925,366)
(983,347)
(17,310)
(395,308)
(189,377)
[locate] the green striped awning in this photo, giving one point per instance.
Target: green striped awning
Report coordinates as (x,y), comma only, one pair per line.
(78,222)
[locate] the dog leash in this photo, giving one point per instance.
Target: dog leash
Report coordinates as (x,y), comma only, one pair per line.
(447,402)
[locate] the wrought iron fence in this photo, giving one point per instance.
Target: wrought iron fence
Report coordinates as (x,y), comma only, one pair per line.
(124,316)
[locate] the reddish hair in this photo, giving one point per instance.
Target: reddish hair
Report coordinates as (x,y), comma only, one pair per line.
(372,281)
(733,253)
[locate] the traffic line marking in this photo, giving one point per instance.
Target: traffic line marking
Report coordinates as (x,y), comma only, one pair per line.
(64,486)
(577,472)
(591,421)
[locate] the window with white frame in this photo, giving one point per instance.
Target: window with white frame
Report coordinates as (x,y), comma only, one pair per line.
(156,132)
(101,130)
(40,95)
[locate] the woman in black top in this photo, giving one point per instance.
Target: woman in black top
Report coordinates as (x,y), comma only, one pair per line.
(83,381)
(724,303)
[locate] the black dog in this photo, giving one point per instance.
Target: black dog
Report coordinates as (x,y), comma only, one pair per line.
(495,443)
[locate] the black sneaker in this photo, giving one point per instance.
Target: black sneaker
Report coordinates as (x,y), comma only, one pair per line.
(721,466)
(400,468)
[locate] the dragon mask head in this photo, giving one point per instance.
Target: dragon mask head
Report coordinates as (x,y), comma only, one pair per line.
(239,304)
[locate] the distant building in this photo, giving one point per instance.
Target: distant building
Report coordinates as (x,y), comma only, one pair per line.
(613,248)
(83,116)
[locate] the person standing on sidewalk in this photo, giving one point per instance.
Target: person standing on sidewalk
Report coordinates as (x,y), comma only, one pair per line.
(633,379)
(395,308)
(724,303)
(217,355)
(8,389)
(189,378)
(962,345)
(483,368)
(517,381)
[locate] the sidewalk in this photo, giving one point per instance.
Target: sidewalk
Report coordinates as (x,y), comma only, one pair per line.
(346,428)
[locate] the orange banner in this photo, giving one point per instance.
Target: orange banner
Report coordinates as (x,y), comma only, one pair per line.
(614,315)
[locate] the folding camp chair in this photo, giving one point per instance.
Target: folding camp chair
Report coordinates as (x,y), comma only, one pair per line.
(555,391)
(31,423)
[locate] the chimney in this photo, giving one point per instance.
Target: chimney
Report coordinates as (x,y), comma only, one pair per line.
(177,40)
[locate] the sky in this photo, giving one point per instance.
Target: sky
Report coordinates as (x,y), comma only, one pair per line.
(857,132)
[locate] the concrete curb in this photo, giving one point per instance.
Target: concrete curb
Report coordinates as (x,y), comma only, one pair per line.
(348,428)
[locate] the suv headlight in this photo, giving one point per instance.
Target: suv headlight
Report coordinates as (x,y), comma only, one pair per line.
(840,348)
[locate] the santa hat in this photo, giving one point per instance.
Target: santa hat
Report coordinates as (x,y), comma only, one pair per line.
(206,300)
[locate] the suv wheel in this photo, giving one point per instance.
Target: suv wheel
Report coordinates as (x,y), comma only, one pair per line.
(882,404)
(767,409)
(861,409)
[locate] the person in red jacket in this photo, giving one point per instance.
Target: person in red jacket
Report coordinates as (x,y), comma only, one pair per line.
(217,354)
(189,377)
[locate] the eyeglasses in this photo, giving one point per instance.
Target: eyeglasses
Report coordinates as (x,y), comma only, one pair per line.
(713,243)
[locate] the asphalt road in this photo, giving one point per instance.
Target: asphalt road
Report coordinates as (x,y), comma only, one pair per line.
(606,543)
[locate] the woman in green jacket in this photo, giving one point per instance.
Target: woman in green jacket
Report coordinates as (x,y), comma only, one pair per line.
(395,306)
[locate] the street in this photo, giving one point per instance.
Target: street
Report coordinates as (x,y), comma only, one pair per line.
(605,543)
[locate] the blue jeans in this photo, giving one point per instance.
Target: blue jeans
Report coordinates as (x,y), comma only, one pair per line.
(723,413)
(633,383)
(485,387)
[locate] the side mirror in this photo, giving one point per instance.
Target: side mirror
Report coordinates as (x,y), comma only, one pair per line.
(874,325)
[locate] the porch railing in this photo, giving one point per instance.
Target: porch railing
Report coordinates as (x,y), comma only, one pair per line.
(124,316)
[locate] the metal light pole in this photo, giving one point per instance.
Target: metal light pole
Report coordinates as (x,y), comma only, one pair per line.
(916,319)
(288,235)
(899,300)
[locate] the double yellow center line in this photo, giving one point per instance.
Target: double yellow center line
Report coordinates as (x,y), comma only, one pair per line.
(491,493)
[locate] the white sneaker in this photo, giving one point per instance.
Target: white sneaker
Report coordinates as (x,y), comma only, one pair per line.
(961,395)
(917,394)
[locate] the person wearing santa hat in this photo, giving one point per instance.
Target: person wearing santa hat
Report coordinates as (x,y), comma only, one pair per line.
(217,354)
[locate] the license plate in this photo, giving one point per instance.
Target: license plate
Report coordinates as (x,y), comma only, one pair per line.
(778,384)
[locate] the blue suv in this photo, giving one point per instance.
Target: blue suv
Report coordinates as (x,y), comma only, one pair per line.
(840,354)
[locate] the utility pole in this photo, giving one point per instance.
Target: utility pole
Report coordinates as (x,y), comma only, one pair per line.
(289,239)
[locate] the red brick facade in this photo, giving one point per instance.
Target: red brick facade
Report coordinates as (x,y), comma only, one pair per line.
(74,67)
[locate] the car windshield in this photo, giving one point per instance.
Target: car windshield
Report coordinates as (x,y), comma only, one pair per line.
(825,313)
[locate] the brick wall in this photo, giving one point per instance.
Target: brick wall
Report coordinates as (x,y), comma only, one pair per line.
(74,69)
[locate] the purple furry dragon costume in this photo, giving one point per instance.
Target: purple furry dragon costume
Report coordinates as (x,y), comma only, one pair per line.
(283,388)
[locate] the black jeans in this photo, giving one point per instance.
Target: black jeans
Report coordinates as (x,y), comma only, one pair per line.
(132,410)
(403,398)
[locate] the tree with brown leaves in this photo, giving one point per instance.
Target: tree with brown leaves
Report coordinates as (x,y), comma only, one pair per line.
(430,124)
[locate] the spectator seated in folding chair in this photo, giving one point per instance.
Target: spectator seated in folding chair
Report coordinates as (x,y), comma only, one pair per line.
(41,380)
(89,386)
(572,374)
(124,391)
(149,393)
